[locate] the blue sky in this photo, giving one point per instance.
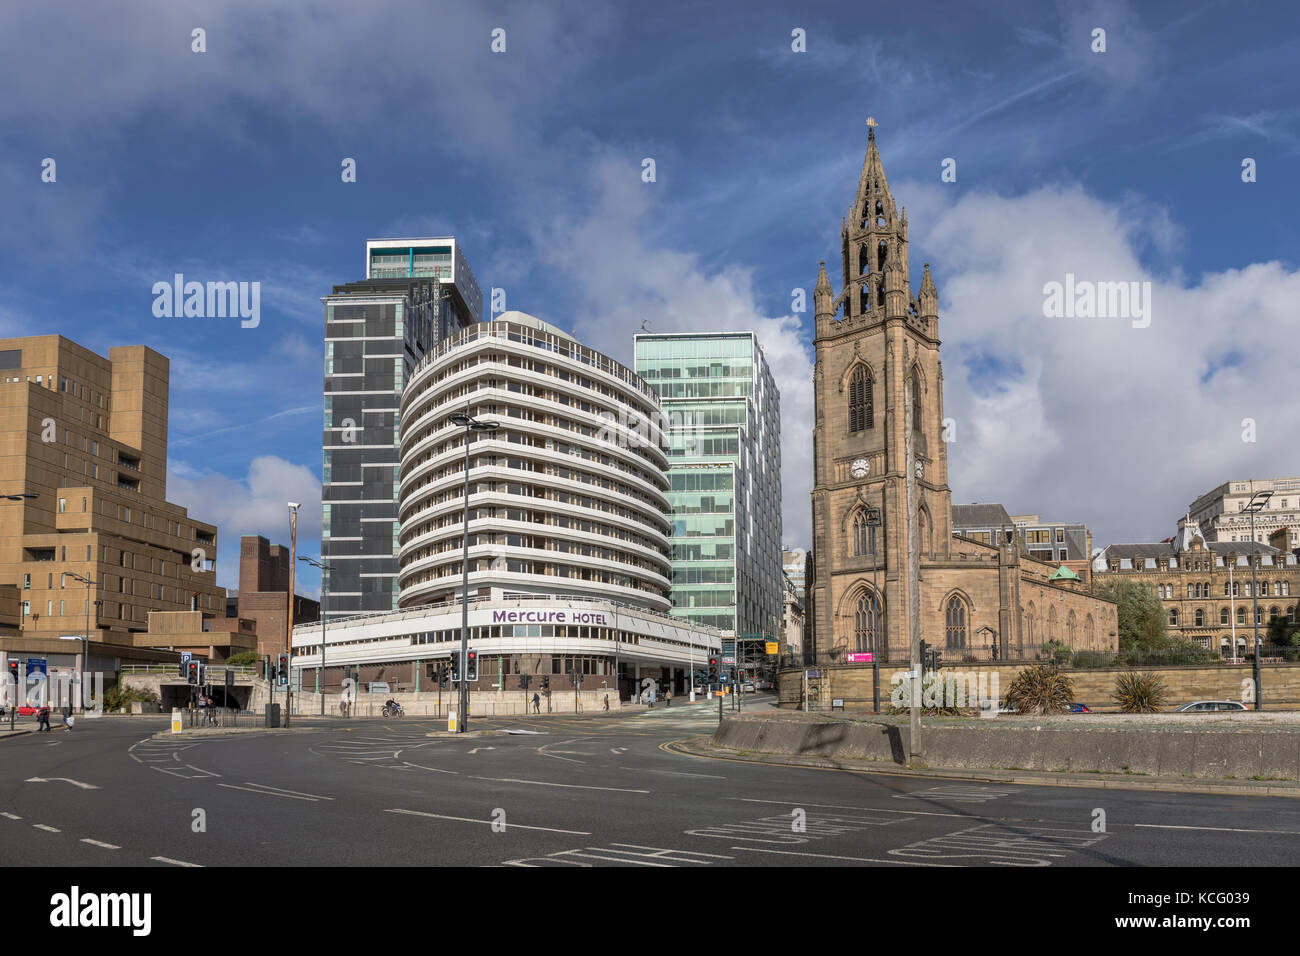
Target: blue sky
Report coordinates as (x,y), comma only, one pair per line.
(1122,165)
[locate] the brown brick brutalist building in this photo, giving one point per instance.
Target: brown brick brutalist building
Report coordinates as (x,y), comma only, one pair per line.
(264,591)
(878,444)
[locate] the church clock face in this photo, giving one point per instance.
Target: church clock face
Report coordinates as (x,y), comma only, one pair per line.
(859,468)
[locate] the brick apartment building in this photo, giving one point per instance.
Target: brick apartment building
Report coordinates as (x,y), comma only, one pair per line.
(263,593)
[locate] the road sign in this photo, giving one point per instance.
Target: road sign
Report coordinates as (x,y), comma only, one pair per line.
(185,657)
(812,674)
(728,660)
(37,665)
(772,647)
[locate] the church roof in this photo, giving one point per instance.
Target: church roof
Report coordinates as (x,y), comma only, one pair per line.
(980,517)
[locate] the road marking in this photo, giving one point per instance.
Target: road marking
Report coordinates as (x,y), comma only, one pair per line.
(840,806)
(75,783)
(509,826)
(106,846)
(829,856)
(11,816)
(1171,826)
(1003,845)
(42,826)
(273,793)
(545,783)
(675,773)
(419,766)
(477,749)
(165,859)
(633,855)
(959,793)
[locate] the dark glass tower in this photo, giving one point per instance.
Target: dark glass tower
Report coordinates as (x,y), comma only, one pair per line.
(416,293)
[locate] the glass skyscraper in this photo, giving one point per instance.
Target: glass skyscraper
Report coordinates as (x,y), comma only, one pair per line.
(723,416)
(416,293)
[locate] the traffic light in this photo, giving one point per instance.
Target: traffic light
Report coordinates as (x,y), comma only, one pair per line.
(181,668)
(192,672)
(282,669)
(713,670)
(13,670)
(454,664)
(471,666)
(524,681)
(546,682)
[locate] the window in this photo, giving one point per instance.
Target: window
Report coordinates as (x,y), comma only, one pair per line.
(27,581)
(1224,616)
(865,620)
(1173,617)
(864,536)
(63,505)
(1200,618)
(955,621)
(861,401)
(916,400)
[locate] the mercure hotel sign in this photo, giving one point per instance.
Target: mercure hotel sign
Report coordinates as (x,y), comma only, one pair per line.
(549,617)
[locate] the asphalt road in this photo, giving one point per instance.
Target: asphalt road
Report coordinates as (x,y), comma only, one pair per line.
(565,791)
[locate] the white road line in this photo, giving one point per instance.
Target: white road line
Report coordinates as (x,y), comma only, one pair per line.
(164,859)
(11,816)
(829,856)
(268,793)
(841,806)
(296,793)
(509,826)
(75,783)
(675,773)
(42,826)
(638,846)
(419,766)
(106,846)
(1170,826)
(546,783)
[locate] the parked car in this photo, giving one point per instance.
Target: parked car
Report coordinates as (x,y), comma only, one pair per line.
(28,710)
(749,687)
(1077,708)
(1209,706)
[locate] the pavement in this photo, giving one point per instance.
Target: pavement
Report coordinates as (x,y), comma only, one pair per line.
(563,790)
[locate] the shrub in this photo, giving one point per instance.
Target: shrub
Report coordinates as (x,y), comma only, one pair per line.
(1140,693)
(118,697)
(1040,690)
(1093,659)
(1172,653)
(246,659)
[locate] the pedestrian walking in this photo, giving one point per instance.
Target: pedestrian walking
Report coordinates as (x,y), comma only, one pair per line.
(67,716)
(668,697)
(607,701)
(43,718)
(537,704)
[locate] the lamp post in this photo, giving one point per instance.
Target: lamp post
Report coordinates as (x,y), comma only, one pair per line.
(1258,502)
(85,642)
(320,680)
(873,523)
(471,424)
(288,619)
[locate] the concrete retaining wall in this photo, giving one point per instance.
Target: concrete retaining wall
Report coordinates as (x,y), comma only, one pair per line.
(1242,754)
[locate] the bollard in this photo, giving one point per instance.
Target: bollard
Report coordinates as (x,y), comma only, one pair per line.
(451,721)
(176,720)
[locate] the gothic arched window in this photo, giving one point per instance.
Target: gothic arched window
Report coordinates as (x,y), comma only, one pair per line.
(955,622)
(866,619)
(863,534)
(861,400)
(882,250)
(864,260)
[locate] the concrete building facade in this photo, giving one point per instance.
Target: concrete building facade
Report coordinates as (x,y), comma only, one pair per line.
(88,436)
(1219,515)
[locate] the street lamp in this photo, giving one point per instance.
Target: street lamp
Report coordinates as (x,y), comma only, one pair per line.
(471,424)
(1258,502)
(873,523)
(320,671)
(85,644)
(288,619)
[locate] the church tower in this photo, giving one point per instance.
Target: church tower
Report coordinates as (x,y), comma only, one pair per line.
(879,396)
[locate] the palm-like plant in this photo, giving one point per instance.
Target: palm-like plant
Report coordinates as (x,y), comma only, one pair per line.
(1040,690)
(1140,693)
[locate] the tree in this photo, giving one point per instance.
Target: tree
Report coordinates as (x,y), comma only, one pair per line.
(1141,616)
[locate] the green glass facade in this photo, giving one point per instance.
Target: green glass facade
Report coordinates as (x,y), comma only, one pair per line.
(722,415)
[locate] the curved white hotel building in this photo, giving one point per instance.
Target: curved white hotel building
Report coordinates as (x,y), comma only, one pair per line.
(569,561)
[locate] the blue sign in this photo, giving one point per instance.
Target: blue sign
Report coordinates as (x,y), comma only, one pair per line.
(37,665)
(185,657)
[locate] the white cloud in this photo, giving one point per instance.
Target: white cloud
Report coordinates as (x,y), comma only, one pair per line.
(254,504)
(1095,420)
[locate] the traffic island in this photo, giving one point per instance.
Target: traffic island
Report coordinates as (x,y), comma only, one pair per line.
(1249,759)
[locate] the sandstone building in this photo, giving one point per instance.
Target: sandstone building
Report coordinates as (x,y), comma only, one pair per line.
(879,451)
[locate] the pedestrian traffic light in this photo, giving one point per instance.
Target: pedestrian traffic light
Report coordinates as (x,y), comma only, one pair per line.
(192,672)
(471,666)
(282,669)
(454,665)
(546,682)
